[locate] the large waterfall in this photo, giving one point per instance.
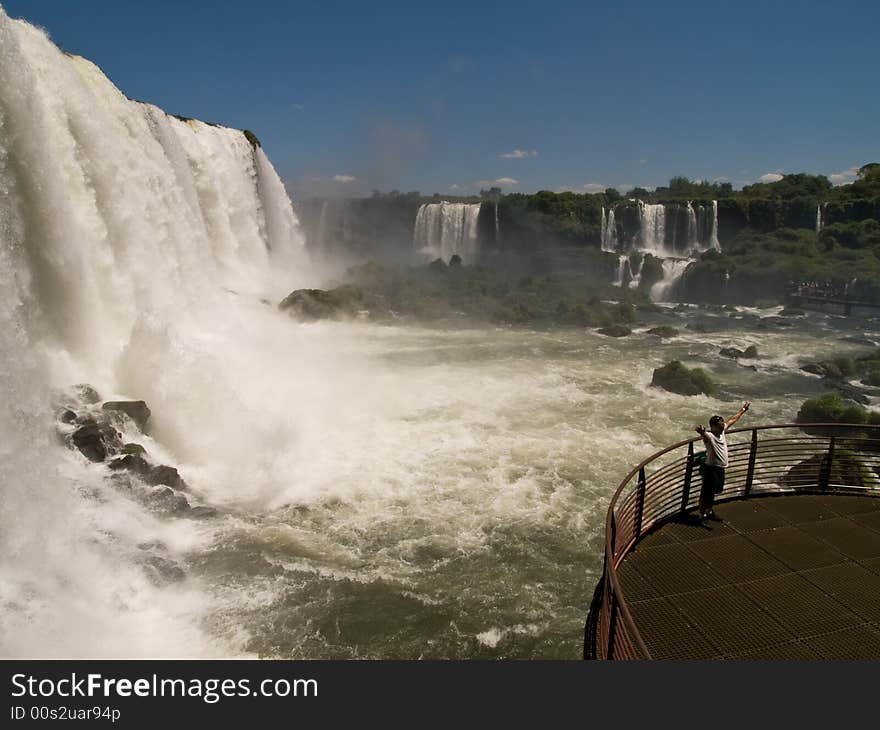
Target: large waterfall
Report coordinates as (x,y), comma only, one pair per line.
(673,232)
(135,250)
(444,229)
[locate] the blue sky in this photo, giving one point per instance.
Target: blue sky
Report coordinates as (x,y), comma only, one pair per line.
(347,97)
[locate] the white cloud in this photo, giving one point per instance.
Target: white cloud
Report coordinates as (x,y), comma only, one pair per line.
(847,176)
(344,178)
(717,180)
(519,154)
(455,187)
(500,182)
(585,188)
(771,177)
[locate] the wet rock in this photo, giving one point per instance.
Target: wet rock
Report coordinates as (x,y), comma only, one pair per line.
(826,369)
(163,570)
(131,463)
(168,501)
(202,512)
(67,416)
(852,392)
(698,327)
(96,440)
(792,312)
(136,410)
(314,304)
(750,352)
(167,475)
(85,393)
(676,378)
(664,331)
(615,330)
(133,449)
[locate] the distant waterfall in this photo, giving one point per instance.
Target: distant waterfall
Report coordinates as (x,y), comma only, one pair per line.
(674,232)
(819,223)
(652,228)
(445,229)
(692,229)
(609,230)
(713,239)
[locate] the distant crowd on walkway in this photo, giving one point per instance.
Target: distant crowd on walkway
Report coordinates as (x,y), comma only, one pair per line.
(819,290)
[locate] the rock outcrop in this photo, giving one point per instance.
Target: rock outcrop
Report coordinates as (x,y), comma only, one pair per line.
(676,378)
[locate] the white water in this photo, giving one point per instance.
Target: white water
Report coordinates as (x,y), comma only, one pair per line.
(713,238)
(818,217)
(609,231)
(445,229)
(134,251)
(652,229)
(392,491)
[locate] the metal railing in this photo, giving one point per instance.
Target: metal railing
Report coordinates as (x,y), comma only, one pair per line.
(777,459)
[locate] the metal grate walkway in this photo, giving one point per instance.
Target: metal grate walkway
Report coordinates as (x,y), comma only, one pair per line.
(782,577)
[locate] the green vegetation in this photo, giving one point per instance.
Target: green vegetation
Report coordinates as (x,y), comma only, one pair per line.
(677,378)
(252,138)
(568,287)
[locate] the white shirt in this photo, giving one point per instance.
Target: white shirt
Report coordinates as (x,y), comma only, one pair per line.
(716,448)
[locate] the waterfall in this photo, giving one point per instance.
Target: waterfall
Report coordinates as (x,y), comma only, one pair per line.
(444,229)
(693,232)
(652,228)
(609,231)
(497,229)
(321,235)
(818,217)
(713,237)
(673,269)
(135,249)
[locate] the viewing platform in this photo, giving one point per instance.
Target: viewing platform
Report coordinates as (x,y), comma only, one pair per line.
(791,572)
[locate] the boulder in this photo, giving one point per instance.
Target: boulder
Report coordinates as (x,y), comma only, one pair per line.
(133,449)
(826,369)
(750,352)
(96,440)
(315,304)
(167,475)
(136,410)
(664,331)
(615,330)
(85,393)
(131,463)
(676,378)
(167,501)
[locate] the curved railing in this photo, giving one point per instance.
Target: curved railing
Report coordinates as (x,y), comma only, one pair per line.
(777,459)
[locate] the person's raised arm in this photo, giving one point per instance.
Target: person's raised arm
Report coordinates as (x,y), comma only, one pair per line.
(739,414)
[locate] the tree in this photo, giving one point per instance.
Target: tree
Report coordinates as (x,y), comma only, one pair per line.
(612,195)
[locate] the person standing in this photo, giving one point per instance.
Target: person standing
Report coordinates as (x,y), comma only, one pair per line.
(715,439)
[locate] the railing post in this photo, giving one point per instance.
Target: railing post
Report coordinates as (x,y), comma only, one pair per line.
(640,505)
(825,474)
(688,476)
(612,627)
(753,452)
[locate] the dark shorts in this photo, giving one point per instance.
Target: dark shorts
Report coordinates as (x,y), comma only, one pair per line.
(713,479)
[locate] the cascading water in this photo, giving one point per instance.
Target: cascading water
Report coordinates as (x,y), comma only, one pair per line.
(713,237)
(135,249)
(819,207)
(660,234)
(444,229)
(652,229)
(609,231)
